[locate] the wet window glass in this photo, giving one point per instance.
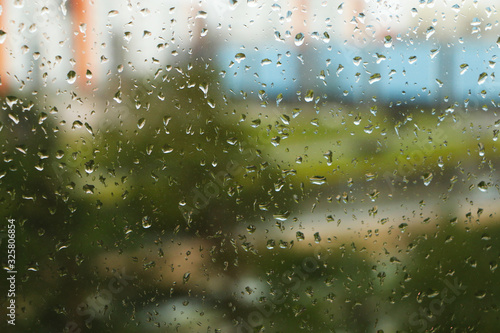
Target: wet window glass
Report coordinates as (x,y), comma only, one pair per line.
(249,166)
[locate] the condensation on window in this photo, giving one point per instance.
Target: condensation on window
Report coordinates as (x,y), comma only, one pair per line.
(249,166)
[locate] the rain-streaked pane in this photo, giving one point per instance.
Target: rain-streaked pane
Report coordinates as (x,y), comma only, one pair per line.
(249,166)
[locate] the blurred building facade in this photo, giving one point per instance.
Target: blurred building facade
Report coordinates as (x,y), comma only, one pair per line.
(330,46)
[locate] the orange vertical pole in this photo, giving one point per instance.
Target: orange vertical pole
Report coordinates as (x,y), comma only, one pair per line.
(4,86)
(299,19)
(83,14)
(358,31)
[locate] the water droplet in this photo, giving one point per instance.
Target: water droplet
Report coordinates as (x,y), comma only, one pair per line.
(475,22)
(482,78)
(62,245)
(373,195)
(88,189)
(375,78)
(430,31)
(463,68)
(488,11)
(340,8)
(318,180)
(89,128)
(299,39)
(239,57)
(186,277)
(370,176)
(279,98)
(24,49)
(380,58)
(89,167)
(112,13)
(166,149)
(283,216)
(326,37)
(255,123)
(22,148)
(201,14)
(493,266)
(309,96)
(141,123)
(481,148)
(204,87)
(480,294)
(270,244)
(83,28)
(322,75)
(300,236)
(296,112)
(118,96)
(427,178)
(329,157)
(285,119)
(77,124)
(20,4)
(3,36)
(71,77)
(127,36)
(388,41)
(146,223)
(483,187)
(434,52)
(412,59)
(277,36)
(317,237)
(232,141)
(357,120)
(266,61)
(339,69)
(11,100)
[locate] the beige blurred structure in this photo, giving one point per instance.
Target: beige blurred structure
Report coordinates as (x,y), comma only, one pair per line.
(46,39)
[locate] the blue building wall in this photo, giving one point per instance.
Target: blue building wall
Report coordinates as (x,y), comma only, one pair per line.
(417,72)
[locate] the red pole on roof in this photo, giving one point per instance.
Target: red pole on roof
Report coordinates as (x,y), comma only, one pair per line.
(84,39)
(4,86)
(299,18)
(358,31)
